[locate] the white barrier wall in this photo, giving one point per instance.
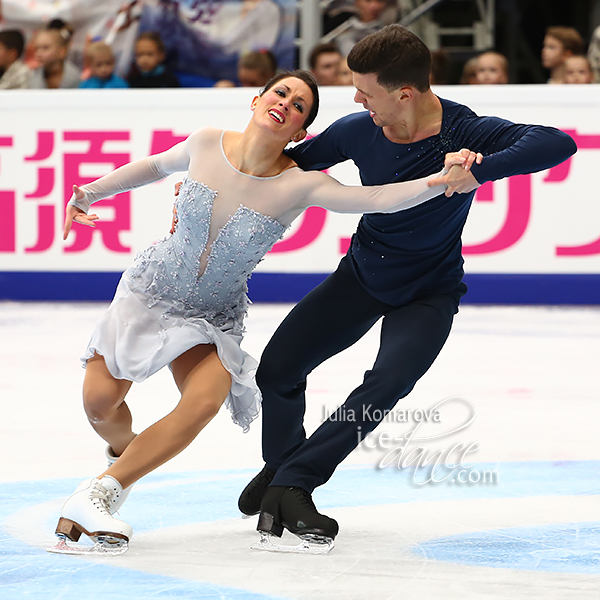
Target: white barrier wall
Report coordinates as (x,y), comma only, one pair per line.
(528,239)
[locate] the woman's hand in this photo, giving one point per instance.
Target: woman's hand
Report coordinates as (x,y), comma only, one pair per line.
(76,214)
(465,157)
(459,179)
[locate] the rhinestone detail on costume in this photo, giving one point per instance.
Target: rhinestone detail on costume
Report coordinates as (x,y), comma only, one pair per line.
(170,273)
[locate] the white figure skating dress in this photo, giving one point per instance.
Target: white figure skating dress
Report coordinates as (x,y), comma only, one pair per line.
(191,287)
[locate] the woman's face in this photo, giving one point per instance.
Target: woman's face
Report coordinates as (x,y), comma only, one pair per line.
(48,48)
(283,108)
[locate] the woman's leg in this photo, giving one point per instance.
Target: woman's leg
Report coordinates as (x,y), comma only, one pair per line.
(204,384)
(103,401)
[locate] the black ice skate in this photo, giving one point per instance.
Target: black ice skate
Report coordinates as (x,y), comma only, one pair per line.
(251,498)
(293,508)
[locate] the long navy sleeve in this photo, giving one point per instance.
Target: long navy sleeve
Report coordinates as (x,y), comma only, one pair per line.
(401,256)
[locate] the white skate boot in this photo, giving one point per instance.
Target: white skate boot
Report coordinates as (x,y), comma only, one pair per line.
(88,511)
(119,497)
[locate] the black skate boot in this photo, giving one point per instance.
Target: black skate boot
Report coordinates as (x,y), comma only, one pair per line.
(251,497)
(293,508)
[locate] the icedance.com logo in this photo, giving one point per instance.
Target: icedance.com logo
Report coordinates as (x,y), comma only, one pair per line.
(412,451)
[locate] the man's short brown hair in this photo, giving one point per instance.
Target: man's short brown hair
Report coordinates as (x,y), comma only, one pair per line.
(396,55)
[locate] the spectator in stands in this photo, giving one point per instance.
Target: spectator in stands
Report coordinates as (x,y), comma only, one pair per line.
(366,21)
(336,12)
(324,61)
(578,70)
(224,83)
(14,73)
(469,72)
(101,62)
(594,54)
(51,49)
(344,74)
(439,68)
(559,44)
(149,70)
(492,68)
(255,69)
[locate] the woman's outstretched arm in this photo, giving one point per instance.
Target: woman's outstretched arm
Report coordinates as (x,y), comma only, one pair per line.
(128,177)
(328,193)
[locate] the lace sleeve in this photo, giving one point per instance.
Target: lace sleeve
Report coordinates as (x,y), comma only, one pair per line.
(134,175)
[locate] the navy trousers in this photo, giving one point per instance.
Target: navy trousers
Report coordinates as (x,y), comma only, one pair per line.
(329,319)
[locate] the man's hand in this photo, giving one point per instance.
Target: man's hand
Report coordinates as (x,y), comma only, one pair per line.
(459,179)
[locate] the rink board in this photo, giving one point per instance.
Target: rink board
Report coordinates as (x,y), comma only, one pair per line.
(291,287)
(528,239)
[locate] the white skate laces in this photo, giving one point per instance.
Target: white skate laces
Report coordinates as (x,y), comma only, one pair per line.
(88,511)
(101,497)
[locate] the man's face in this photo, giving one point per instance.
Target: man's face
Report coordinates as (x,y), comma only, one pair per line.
(383,106)
(326,68)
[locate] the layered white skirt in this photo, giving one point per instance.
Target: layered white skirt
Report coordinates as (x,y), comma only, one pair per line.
(136,341)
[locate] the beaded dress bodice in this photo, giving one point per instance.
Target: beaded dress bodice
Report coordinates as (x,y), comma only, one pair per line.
(170,272)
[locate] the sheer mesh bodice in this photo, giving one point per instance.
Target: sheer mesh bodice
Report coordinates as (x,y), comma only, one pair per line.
(198,279)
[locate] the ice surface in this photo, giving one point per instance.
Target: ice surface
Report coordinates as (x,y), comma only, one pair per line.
(531,375)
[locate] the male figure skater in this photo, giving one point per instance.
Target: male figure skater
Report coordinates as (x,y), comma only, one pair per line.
(404,267)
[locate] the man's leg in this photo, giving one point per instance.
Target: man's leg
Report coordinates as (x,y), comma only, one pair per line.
(329,319)
(411,338)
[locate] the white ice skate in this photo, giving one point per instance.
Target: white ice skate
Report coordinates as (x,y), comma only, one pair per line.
(311,544)
(88,511)
(119,497)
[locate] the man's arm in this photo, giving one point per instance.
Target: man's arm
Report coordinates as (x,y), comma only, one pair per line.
(325,149)
(511,149)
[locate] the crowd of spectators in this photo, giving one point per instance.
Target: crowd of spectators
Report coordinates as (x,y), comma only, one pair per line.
(563,54)
(44,62)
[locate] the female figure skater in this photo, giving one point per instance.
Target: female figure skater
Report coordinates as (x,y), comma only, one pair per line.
(183,300)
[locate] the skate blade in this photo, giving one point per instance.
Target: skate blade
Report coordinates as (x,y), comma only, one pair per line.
(311,544)
(102,547)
